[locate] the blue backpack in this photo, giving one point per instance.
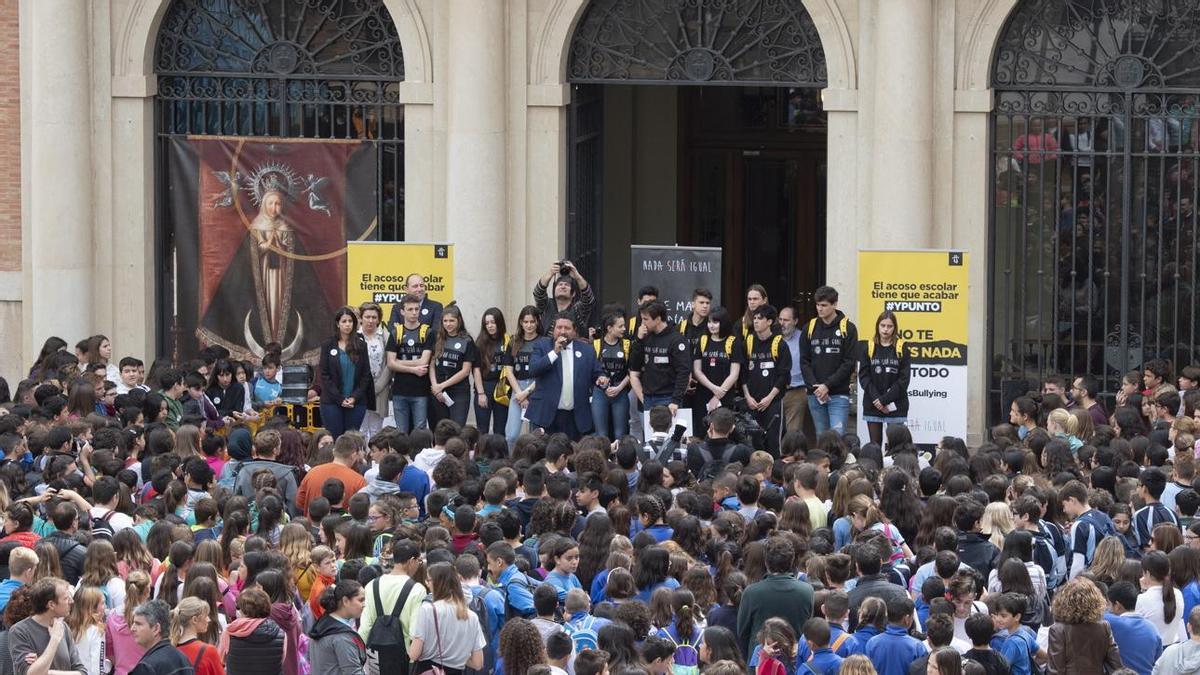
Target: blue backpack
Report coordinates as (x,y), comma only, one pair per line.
(583,633)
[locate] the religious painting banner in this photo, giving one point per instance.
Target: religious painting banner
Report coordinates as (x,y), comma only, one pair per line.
(927,291)
(376,271)
(261,229)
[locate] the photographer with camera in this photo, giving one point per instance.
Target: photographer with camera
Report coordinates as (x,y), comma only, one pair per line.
(573,297)
(707,457)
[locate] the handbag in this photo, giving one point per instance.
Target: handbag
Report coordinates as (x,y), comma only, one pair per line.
(434,668)
(503,389)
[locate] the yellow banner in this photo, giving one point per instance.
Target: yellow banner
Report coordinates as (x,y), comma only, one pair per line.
(927,291)
(376,271)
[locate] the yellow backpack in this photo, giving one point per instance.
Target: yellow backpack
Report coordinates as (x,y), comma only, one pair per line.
(598,345)
(843,325)
(728,344)
(774,345)
(422,331)
(871,349)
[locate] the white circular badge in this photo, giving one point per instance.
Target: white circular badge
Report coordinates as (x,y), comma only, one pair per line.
(333,352)
(411,342)
(458,345)
(579,355)
(682,346)
(620,355)
(425,311)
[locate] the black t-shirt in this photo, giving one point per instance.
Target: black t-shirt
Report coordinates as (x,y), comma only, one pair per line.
(718,356)
(691,331)
(520,361)
(455,352)
(766,368)
(407,345)
(614,359)
(499,360)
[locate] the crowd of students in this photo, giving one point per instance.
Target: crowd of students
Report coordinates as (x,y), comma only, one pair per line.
(162,523)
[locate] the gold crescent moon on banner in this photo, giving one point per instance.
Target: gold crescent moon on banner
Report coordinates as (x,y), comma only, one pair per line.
(237,204)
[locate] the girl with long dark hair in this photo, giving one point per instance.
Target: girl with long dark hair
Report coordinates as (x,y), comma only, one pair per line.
(520,381)
(610,404)
(492,344)
(454,356)
(347,388)
(883,375)
(1160,601)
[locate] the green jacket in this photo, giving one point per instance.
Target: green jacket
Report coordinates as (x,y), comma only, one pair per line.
(174,411)
(776,595)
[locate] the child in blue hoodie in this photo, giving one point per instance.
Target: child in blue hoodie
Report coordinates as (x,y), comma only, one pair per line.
(893,650)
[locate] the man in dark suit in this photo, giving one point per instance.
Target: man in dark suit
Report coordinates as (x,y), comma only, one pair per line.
(566,370)
(431,310)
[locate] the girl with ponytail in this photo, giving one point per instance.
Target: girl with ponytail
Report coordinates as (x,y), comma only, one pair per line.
(1161,603)
(335,647)
(684,632)
(191,618)
(119,644)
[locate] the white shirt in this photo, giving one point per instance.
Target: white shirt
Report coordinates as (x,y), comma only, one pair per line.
(1150,606)
(118,521)
(566,398)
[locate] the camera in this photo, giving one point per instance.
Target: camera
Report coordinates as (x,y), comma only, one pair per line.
(565,266)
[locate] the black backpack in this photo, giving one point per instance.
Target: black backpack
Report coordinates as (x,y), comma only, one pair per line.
(712,466)
(101,528)
(387,633)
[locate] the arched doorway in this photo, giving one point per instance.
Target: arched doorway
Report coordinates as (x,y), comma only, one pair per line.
(698,123)
(279,69)
(1096,149)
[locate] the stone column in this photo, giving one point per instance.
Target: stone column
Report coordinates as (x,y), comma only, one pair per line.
(476,157)
(902,162)
(59,164)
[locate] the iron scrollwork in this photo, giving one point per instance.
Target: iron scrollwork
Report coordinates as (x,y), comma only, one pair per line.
(1111,44)
(736,42)
(280,38)
(1096,181)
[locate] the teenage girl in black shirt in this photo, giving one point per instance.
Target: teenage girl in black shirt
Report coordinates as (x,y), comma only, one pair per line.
(610,405)
(520,348)
(492,345)
(454,356)
(717,364)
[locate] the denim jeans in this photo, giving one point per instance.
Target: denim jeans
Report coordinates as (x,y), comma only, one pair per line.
(338,420)
(411,412)
(512,427)
(829,415)
(610,415)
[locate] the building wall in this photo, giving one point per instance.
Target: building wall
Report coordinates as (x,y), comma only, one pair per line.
(10,190)
(908,123)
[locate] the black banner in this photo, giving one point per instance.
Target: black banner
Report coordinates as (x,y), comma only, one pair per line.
(677,271)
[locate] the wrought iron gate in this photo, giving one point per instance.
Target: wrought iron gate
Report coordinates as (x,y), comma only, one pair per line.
(1096,149)
(329,69)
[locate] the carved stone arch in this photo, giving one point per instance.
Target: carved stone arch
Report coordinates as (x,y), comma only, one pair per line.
(553,43)
(979,47)
(133,56)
